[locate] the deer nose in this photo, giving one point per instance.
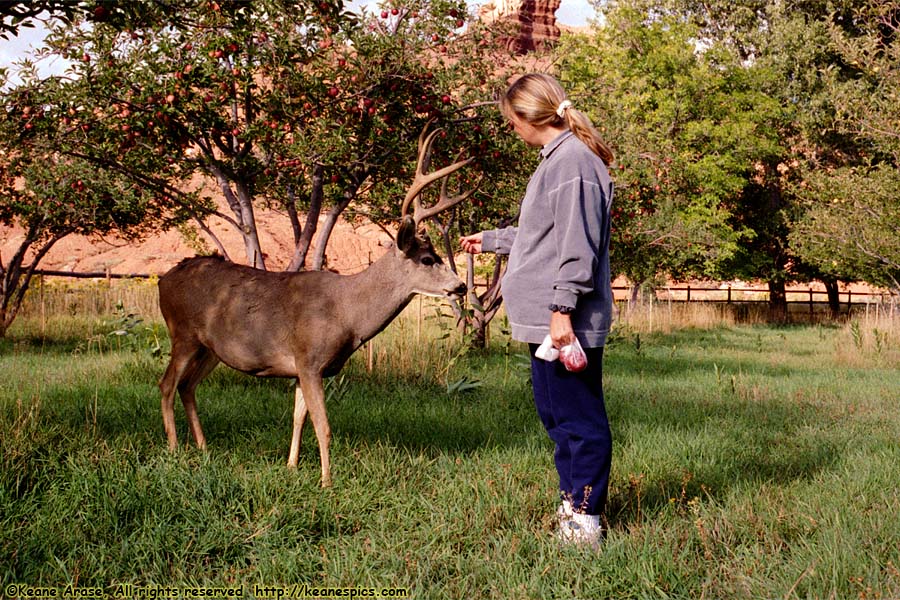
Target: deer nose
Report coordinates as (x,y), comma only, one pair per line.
(459,290)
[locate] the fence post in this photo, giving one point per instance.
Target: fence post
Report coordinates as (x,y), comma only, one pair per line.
(688,293)
(109,289)
(810,302)
(729,294)
(849,301)
(43,313)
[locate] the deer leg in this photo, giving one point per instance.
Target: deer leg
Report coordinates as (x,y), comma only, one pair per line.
(201,365)
(314,397)
(178,364)
(300,412)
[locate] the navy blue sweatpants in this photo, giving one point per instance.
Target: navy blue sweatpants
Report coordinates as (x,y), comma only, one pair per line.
(571,408)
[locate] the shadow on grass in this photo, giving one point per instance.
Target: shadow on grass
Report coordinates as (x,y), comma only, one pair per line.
(708,450)
(35,344)
(717,413)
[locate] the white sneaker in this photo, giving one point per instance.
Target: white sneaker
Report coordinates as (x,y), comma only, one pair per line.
(565,511)
(564,514)
(581,530)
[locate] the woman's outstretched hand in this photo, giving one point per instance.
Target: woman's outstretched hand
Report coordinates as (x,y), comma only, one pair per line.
(471,243)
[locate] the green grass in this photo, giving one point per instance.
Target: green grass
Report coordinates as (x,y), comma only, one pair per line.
(749,462)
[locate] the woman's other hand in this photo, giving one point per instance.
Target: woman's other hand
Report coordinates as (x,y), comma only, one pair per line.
(561,331)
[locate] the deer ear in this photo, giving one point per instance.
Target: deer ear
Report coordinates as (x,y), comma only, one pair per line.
(406,235)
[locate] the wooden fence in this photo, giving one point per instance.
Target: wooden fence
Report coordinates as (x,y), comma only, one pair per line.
(810,297)
(687,293)
(736,294)
(97,275)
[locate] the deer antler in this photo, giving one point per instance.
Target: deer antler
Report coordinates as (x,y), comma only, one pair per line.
(422,180)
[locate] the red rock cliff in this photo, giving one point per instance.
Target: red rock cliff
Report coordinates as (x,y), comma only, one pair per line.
(535,22)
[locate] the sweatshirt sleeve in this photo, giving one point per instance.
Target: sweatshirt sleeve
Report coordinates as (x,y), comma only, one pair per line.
(578,212)
(498,241)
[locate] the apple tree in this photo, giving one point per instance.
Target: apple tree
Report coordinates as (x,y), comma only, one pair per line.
(47,195)
(292,105)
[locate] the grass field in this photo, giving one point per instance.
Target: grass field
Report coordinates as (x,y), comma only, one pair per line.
(750,461)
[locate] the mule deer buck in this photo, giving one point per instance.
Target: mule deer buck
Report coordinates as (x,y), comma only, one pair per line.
(303,325)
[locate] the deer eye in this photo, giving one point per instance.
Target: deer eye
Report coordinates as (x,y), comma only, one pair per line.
(428,261)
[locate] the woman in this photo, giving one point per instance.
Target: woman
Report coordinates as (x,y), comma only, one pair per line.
(557,283)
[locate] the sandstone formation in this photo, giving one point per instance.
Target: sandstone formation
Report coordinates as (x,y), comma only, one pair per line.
(534,21)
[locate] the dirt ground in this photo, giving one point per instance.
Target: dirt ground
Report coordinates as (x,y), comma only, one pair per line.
(350,249)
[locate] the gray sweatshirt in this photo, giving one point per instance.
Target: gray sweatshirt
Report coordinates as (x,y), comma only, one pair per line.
(559,253)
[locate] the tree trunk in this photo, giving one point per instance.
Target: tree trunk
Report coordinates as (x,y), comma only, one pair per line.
(241,204)
(327,227)
(834,297)
(304,240)
(476,315)
(484,307)
(635,294)
(778,309)
(14,280)
(252,246)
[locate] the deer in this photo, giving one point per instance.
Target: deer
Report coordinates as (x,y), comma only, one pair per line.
(303,325)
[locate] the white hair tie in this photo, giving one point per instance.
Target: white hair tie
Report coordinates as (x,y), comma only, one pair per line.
(561,109)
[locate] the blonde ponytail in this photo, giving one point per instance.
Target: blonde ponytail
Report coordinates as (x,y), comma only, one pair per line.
(580,125)
(541,101)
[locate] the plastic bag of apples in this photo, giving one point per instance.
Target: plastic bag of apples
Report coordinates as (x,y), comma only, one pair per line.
(572,355)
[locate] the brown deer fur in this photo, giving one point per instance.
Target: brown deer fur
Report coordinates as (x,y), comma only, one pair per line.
(303,325)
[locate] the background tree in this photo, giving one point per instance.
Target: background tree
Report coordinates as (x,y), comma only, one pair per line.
(791,51)
(850,226)
(743,101)
(49,196)
(685,122)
